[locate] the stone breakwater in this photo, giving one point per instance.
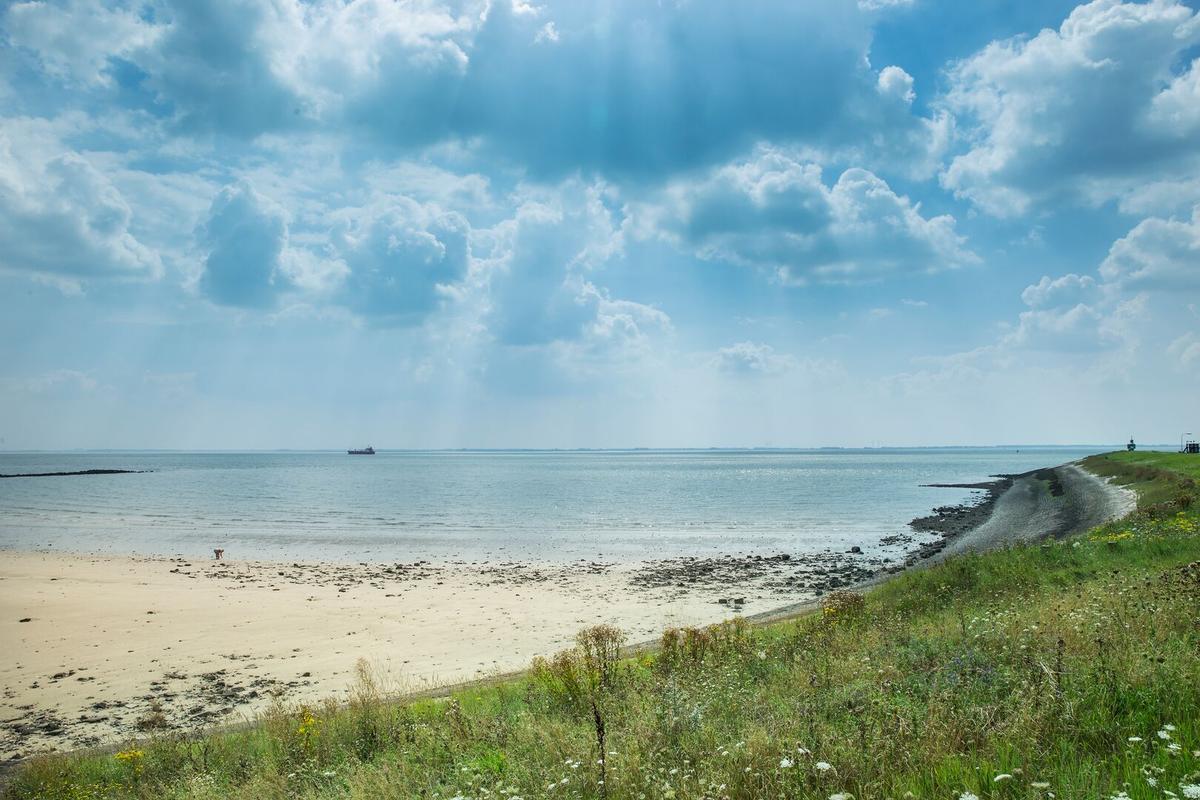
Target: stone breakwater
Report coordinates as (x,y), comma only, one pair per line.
(77,472)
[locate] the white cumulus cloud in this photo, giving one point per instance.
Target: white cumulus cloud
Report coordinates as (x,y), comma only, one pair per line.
(59,214)
(775,211)
(1088,112)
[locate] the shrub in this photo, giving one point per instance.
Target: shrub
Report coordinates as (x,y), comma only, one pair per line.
(842,608)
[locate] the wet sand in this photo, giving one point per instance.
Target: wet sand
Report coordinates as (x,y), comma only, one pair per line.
(100,649)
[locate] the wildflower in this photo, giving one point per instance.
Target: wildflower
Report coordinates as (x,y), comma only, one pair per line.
(824,766)
(1003,776)
(1152,781)
(804,751)
(968,796)
(1040,785)
(762,655)
(1122,795)
(1135,739)
(130,756)
(785,763)
(1164,734)
(841,796)
(1190,790)
(329,773)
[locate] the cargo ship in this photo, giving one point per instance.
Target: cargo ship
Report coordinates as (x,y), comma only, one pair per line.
(366,451)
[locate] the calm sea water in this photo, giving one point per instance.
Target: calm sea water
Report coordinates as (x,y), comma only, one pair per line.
(558,506)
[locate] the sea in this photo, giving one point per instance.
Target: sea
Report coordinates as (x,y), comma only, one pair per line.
(447,506)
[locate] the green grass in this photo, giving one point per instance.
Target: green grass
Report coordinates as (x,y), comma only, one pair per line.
(1073,667)
(1156,476)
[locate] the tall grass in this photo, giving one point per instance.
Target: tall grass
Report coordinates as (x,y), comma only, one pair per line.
(1066,669)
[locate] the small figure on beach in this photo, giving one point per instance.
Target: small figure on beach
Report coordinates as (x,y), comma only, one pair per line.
(218,553)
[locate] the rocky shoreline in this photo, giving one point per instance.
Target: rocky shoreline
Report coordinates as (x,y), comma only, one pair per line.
(952,521)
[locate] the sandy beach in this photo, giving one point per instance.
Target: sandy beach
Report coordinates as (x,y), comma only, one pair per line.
(105,648)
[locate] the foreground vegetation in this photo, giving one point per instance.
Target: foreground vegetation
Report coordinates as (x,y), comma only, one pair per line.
(1069,669)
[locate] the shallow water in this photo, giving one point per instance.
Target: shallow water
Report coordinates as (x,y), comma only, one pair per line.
(441,506)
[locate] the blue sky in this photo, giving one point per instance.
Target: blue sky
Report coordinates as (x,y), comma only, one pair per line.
(279,223)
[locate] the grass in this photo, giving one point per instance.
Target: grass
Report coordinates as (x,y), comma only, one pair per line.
(1157,477)
(1069,670)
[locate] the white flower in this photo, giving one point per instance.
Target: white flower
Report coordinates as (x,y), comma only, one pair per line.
(785,763)
(1040,785)
(1152,781)
(1190,790)
(824,766)
(1003,776)
(841,796)
(968,796)
(1120,796)
(329,773)
(762,655)
(1162,734)
(1168,727)
(1135,738)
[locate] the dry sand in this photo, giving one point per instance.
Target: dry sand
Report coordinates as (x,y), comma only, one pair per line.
(110,640)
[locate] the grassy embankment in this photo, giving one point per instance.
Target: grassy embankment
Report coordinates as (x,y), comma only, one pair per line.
(1068,670)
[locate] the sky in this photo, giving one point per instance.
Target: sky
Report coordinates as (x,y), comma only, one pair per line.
(690,223)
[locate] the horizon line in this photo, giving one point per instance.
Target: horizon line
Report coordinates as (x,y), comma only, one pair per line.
(626,449)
